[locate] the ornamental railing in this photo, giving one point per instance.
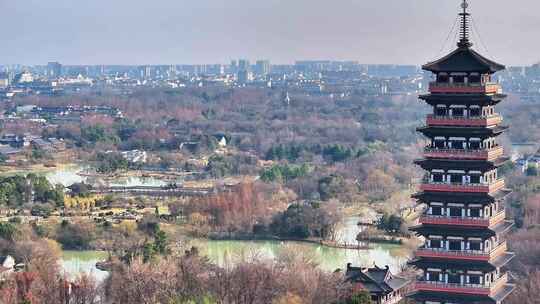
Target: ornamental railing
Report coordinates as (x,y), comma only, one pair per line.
(446,87)
(460,187)
(464,120)
(478,255)
(486,154)
(463,220)
(479,289)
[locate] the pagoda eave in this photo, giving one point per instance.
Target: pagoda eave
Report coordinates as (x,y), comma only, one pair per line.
(483,132)
(450,197)
(463,99)
(451,164)
(462,264)
(480,232)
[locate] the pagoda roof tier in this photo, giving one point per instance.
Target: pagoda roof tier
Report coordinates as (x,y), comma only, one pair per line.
(465,60)
(438,296)
(452,197)
(468,165)
(484,266)
(427,229)
(452,131)
(463,99)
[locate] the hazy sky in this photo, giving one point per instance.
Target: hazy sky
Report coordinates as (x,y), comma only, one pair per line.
(215,31)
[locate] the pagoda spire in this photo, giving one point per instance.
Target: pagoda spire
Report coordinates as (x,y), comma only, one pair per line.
(464,31)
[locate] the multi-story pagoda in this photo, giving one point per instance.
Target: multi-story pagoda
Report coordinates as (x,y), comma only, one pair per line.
(464,224)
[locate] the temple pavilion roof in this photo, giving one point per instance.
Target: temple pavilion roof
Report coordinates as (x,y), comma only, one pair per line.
(466,60)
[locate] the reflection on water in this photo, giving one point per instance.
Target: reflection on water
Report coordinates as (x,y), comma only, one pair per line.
(348,230)
(330,259)
(230,252)
(77,262)
(226,253)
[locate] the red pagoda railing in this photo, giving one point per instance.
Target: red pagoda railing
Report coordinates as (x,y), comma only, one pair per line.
(490,154)
(433,120)
(462,221)
(464,88)
(469,255)
(470,289)
(470,188)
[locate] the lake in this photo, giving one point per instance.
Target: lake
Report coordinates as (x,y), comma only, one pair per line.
(225,253)
(329,259)
(76,262)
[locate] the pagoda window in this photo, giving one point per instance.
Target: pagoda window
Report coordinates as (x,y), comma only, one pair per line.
(475,212)
(475,112)
(436,244)
(457,144)
(458,112)
(474,78)
(455,211)
(438,178)
(474,144)
(454,245)
(443,78)
(475,245)
(475,279)
(454,278)
(433,276)
(439,143)
(436,210)
(458,78)
(441,111)
(456,178)
(475,179)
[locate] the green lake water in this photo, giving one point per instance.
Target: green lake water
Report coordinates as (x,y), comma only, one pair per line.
(76,262)
(329,259)
(225,253)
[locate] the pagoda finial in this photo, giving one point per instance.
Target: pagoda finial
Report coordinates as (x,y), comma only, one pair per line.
(464,32)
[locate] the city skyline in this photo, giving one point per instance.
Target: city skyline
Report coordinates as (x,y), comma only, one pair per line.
(170,32)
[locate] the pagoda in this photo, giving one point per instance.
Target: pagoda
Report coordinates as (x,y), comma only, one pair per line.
(464,224)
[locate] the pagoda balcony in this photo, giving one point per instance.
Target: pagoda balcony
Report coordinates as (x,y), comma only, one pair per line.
(484,154)
(465,255)
(489,289)
(460,187)
(480,121)
(464,88)
(485,222)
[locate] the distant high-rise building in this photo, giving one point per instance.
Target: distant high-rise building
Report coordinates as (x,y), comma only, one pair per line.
(4,79)
(54,69)
(145,72)
(262,67)
(171,72)
(234,67)
(245,76)
(243,65)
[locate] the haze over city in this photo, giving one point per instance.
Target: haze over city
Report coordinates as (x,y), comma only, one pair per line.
(206,31)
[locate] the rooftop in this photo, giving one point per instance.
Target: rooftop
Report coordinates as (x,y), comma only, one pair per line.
(376,279)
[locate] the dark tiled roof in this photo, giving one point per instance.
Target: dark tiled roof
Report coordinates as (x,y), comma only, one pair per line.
(464,59)
(376,279)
